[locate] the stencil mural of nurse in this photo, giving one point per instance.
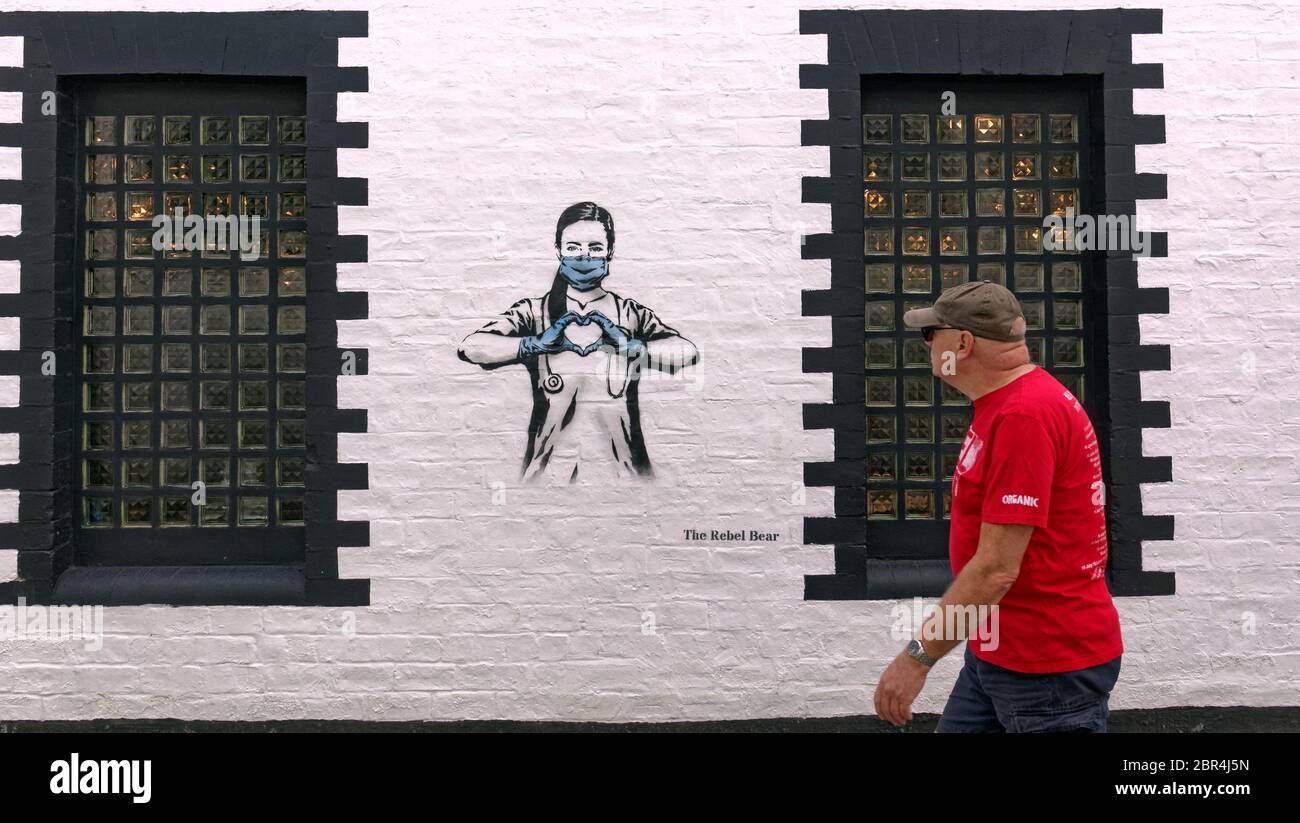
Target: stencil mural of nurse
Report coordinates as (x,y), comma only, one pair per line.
(585,349)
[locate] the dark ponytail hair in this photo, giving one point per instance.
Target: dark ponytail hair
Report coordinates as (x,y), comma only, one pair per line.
(555,302)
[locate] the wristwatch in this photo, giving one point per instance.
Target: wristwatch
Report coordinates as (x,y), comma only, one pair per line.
(917,652)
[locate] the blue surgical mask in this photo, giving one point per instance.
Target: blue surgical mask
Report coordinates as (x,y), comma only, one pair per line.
(584,272)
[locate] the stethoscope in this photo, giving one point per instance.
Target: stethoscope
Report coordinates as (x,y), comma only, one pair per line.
(553,383)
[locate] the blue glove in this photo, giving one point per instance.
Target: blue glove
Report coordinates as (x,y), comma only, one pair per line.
(616,337)
(553,341)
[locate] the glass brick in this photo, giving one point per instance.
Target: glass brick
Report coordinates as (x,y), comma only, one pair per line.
(951,128)
(177,283)
(882,467)
(1029,239)
(919,428)
(992,272)
(1024,166)
(293,282)
(137,319)
(215,130)
(952,203)
(1037,350)
(97,397)
(918,278)
(919,466)
(254,434)
(97,436)
(215,471)
(916,203)
(1073,383)
(1025,128)
(880,428)
(292,243)
(178,168)
(988,128)
(252,511)
(1064,128)
(97,474)
(877,167)
(254,167)
(101,244)
(988,165)
(176,434)
(1028,277)
(139,244)
(916,166)
(952,166)
(139,168)
(177,131)
(137,512)
(1027,202)
(949,461)
(914,128)
(137,434)
(1066,277)
(882,505)
(916,354)
(919,504)
(175,511)
(950,396)
(293,205)
(1063,165)
(174,200)
(216,168)
(918,391)
(214,320)
(215,283)
(101,206)
(176,396)
(214,395)
(292,357)
(137,472)
(214,357)
(1064,200)
(215,512)
(953,274)
(916,240)
(97,358)
(176,356)
(140,205)
(1067,314)
(293,434)
(879,241)
(991,240)
(101,169)
(947,505)
(254,395)
(293,130)
(291,471)
(880,278)
(990,202)
(952,240)
(139,130)
(254,130)
(878,203)
(137,282)
(293,168)
(880,391)
(216,204)
(137,358)
(99,320)
(1067,351)
(880,353)
(253,357)
(253,471)
(254,320)
(1033,312)
(293,395)
(292,511)
(97,511)
(101,131)
(876,128)
(174,471)
(100,283)
(214,434)
(880,315)
(955,425)
(254,204)
(137,397)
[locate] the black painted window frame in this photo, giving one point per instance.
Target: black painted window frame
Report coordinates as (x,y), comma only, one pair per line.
(56,48)
(880,44)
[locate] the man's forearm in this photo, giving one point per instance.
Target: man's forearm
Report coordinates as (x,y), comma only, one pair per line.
(976,585)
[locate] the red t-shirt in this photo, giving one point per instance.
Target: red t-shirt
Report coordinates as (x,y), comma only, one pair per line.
(1031,457)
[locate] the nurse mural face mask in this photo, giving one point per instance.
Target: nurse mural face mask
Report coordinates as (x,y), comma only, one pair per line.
(584,272)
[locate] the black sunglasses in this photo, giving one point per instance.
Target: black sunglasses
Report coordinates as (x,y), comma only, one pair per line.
(928,331)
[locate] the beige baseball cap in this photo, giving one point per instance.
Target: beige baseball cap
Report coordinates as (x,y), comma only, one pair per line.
(982,307)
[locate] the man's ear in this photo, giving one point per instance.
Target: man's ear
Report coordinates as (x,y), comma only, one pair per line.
(965,344)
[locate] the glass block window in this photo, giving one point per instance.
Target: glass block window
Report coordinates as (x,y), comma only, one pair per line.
(191,360)
(948,199)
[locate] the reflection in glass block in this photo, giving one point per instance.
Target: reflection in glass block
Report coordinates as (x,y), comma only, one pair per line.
(176,131)
(293,394)
(291,471)
(1029,239)
(882,505)
(1063,200)
(293,434)
(175,511)
(254,130)
(952,397)
(878,203)
(293,205)
(949,460)
(916,240)
(214,434)
(176,396)
(880,353)
(875,128)
(254,320)
(97,474)
(254,395)
(1067,351)
(293,168)
(216,512)
(1059,239)
(1028,277)
(919,428)
(1033,311)
(952,274)
(176,434)
(97,397)
(215,471)
(916,203)
(991,240)
(952,203)
(176,356)
(1024,166)
(920,466)
(253,471)
(952,240)
(291,320)
(955,425)
(178,168)
(880,391)
(992,272)
(139,168)
(916,166)
(253,357)
(137,282)
(137,319)
(292,243)
(880,277)
(254,434)
(293,282)
(254,204)
(1072,382)
(1024,128)
(97,436)
(919,504)
(216,204)
(174,200)
(1067,314)
(137,434)
(1037,350)
(292,511)
(880,428)
(918,391)
(137,397)
(1027,202)
(101,244)
(216,168)
(101,169)
(1066,277)
(876,168)
(137,358)
(254,167)
(916,354)
(101,206)
(880,315)
(1064,128)
(97,358)
(988,165)
(951,128)
(174,471)
(214,320)
(952,166)
(917,278)
(139,205)
(215,130)
(137,512)
(915,128)
(139,244)
(252,511)
(139,130)
(1063,165)
(882,467)
(988,128)
(990,202)
(878,241)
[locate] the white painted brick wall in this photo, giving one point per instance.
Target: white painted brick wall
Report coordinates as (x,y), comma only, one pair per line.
(682,117)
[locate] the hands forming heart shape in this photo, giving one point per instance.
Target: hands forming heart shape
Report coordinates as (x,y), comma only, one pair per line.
(558,338)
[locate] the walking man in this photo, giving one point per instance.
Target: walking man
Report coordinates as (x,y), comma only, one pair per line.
(1028,533)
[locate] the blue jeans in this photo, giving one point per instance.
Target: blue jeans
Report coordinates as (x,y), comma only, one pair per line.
(989,698)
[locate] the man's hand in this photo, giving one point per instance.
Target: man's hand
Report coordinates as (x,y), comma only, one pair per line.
(898,687)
